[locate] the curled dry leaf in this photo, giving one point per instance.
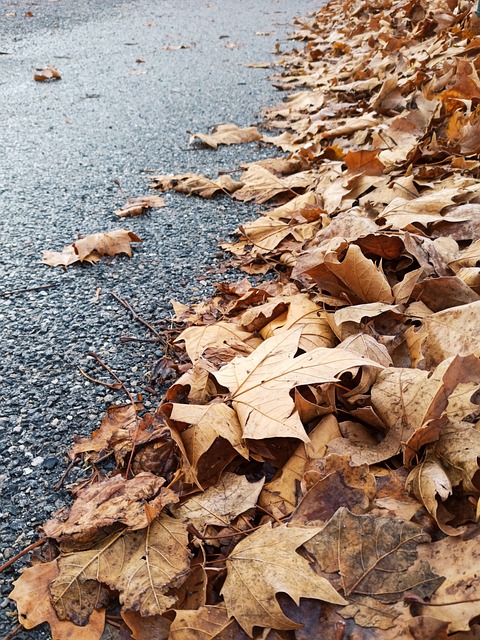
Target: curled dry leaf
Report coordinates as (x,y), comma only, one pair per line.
(92,248)
(195,184)
(109,502)
(46,73)
(227,134)
(264,564)
(137,206)
(205,623)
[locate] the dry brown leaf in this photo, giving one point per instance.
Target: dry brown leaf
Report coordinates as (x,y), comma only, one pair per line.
(458,561)
(221,335)
(260,185)
(92,247)
(109,502)
(373,557)
(452,331)
(264,564)
(458,450)
(142,566)
(279,495)
(137,206)
(219,505)
(260,384)
(31,593)
(143,627)
(195,184)
(208,422)
(227,134)
(205,623)
(46,73)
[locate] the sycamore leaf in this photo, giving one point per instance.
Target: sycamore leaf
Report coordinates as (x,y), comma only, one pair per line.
(143,627)
(303,312)
(46,73)
(207,423)
(260,384)
(458,450)
(220,504)
(264,564)
(195,184)
(260,185)
(111,501)
(205,623)
(92,247)
(374,556)
(137,206)
(452,331)
(458,561)
(221,334)
(32,595)
(406,399)
(142,566)
(279,495)
(227,134)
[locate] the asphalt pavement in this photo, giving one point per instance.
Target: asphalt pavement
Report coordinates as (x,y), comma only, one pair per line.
(136,75)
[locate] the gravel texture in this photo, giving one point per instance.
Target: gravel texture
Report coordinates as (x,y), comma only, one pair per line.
(62,145)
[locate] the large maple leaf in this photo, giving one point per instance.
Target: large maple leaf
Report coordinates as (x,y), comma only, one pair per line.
(264,564)
(260,384)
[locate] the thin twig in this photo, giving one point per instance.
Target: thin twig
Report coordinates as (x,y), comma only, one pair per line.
(127,391)
(34,545)
(135,315)
(114,386)
(59,484)
(13,632)
(41,286)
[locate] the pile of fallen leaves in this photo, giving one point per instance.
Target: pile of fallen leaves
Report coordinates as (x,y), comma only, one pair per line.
(314,472)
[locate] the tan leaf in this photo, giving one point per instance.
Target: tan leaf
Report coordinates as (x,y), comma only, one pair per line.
(373,556)
(260,185)
(32,595)
(195,184)
(206,623)
(143,627)
(227,134)
(220,334)
(458,450)
(220,504)
(450,332)
(406,399)
(356,313)
(142,565)
(46,73)
(360,275)
(264,564)
(302,311)
(111,501)
(427,481)
(280,494)
(458,561)
(261,383)
(208,422)
(92,247)
(137,206)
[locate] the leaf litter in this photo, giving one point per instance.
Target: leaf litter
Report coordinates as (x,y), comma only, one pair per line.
(315,466)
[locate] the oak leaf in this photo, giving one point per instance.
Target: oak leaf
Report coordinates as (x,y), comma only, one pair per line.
(32,595)
(260,384)
(227,134)
(92,247)
(264,564)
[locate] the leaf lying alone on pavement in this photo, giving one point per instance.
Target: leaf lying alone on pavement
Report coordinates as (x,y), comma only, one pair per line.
(92,248)
(137,206)
(227,134)
(46,73)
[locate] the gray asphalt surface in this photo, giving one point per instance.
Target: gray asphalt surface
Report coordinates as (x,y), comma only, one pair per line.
(62,145)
